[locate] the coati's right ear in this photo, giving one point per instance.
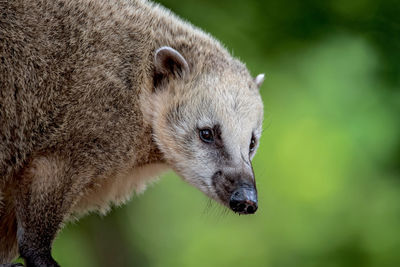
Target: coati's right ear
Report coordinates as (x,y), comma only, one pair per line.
(169,63)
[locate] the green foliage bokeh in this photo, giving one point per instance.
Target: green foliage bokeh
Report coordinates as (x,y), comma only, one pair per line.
(327,170)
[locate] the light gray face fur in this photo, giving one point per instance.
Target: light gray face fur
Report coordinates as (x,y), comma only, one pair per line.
(224,103)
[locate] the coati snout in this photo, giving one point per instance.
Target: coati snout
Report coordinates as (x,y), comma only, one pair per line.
(244,200)
(236,191)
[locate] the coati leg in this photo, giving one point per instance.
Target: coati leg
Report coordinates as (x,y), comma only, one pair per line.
(43,198)
(8,232)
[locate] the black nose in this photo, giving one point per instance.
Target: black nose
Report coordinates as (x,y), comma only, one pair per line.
(244,200)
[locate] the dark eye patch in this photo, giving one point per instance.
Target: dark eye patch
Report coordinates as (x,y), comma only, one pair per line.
(218,136)
(206,135)
(253,143)
(215,143)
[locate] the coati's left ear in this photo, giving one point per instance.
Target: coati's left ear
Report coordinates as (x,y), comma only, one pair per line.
(259,80)
(169,63)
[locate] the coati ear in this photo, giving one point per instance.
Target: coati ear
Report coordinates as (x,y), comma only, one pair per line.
(169,63)
(259,80)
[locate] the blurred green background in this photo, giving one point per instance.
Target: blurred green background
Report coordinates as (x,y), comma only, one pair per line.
(328,169)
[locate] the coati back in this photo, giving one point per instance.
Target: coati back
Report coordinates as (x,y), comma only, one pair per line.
(97,97)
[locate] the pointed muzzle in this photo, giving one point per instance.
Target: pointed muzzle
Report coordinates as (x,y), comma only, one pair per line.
(244,200)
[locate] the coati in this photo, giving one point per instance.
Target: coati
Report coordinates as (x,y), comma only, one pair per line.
(99,96)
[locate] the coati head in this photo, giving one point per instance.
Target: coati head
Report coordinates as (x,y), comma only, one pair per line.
(208,125)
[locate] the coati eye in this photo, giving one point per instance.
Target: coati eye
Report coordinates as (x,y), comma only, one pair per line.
(252,144)
(206,135)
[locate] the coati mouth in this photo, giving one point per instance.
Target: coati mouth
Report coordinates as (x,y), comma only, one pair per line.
(238,192)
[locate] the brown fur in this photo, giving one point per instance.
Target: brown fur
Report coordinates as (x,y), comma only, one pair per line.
(76,86)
